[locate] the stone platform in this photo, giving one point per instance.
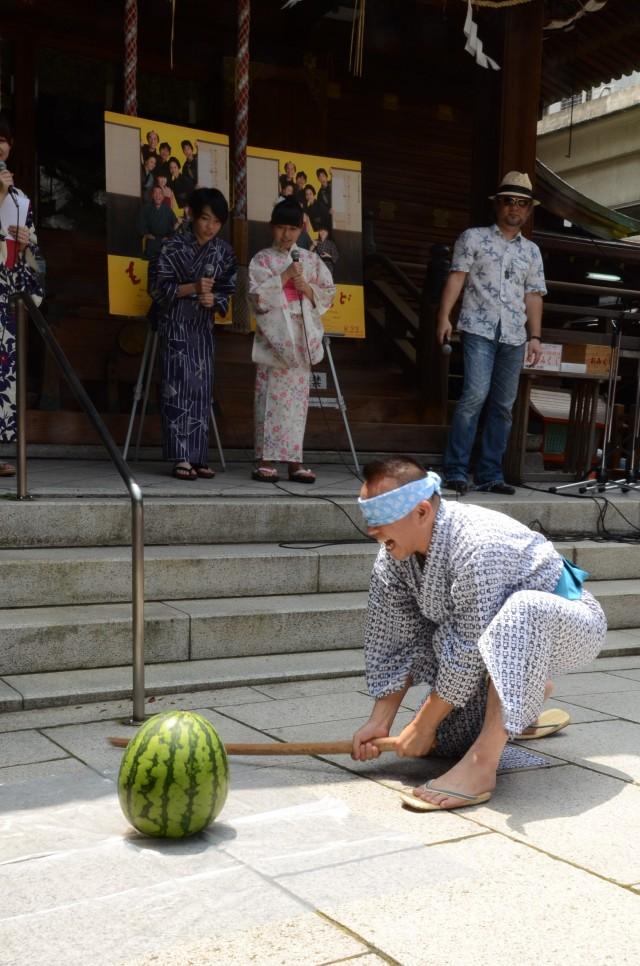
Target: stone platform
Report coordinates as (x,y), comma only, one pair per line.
(245,583)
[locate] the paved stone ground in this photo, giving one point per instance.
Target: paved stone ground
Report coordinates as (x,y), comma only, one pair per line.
(313,861)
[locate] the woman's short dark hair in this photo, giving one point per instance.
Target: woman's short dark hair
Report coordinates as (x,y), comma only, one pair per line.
(203,198)
(6,130)
(165,145)
(174,159)
(287,212)
(182,144)
(309,187)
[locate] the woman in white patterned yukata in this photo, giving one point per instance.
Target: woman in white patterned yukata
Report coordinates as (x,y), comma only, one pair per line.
(18,261)
(480,609)
(192,279)
(290,289)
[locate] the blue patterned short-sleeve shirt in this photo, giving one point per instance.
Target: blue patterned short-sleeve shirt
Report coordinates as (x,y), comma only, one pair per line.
(499,274)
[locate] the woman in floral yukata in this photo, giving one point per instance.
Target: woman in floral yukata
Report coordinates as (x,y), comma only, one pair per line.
(192,279)
(18,261)
(290,289)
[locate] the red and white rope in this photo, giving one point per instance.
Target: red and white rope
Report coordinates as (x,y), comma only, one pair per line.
(130,57)
(242,108)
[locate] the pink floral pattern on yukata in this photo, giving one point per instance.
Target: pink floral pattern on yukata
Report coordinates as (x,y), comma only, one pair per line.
(281,403)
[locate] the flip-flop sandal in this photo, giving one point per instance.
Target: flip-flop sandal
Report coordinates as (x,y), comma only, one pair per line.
(302,476)
(204,471)
(265,474)
(419,805)
(548,723)
(184,472)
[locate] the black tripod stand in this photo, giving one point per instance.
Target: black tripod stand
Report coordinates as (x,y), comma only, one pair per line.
(141,392)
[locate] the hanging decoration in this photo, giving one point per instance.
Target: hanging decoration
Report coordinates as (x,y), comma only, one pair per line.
(130,57)
(241,307)
(173,30)
(590,6)
(356,51)
(242,108)
(473,45)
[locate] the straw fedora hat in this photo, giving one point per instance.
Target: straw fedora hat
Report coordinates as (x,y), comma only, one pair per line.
(516,184)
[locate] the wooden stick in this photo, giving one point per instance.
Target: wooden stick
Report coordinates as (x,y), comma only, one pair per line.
(288,747)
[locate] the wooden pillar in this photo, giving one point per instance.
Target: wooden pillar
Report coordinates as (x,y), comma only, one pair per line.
(23,160)
(521,77)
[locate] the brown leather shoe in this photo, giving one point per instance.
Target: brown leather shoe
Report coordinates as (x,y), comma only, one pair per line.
(6,469)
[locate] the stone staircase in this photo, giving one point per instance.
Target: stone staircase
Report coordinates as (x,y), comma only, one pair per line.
(230,599)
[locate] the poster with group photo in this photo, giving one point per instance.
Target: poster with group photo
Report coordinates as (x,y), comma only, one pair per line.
(151,169)
(329,191)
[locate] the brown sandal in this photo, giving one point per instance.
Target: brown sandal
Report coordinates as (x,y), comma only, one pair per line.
(184,471)
(204,471)
(302,476)
(265,474)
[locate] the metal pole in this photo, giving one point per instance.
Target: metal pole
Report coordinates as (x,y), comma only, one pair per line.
(341,403)
(147,388)
(217,436)
(21,397)
(137,392)
(137,600)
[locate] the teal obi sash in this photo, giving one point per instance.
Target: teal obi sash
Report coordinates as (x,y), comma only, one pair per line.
(571,581)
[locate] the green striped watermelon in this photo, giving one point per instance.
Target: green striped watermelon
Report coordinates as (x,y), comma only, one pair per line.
(174,776)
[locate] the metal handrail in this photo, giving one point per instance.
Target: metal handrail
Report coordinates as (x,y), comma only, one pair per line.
(25,303)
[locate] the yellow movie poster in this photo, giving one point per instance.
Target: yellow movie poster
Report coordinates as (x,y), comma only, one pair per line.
(329,191)
(151,169)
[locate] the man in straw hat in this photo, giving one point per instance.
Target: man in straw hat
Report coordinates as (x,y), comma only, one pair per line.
(502,275)
(481,610)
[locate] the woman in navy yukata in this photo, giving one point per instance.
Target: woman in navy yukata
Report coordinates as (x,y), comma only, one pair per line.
(193,278)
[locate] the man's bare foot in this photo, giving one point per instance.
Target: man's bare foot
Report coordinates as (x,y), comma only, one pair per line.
(472,775)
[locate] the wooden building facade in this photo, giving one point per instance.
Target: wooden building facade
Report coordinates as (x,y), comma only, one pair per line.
(433,129)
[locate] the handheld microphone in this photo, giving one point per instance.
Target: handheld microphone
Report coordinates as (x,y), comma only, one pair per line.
(445,348)
(12,190)
(295,256)
(209,271)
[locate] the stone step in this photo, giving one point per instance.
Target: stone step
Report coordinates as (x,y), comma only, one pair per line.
(35,639)
(59,688)
(114,683)
(270,517)
(107,522)
(99,635)
(100,575)
(95,575)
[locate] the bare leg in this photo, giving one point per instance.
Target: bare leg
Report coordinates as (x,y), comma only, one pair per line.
(475,773)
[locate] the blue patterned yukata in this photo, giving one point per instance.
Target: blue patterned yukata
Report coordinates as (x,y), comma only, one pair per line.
(485,606)
(21,278)
(492,319)
(186,336)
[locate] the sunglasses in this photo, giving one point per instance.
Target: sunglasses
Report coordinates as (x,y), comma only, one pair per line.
(511,202)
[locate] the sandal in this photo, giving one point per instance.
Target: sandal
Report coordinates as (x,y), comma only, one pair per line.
(302,476)
(184,471)
(265,474)
(6,469)
(204,471)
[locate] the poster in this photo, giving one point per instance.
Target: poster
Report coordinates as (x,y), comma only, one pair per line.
(330,193)
(143,156)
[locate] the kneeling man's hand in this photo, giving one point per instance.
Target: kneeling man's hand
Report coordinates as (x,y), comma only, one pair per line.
(363,749)
(415,742)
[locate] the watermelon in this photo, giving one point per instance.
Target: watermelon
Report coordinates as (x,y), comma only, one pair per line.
(174,776)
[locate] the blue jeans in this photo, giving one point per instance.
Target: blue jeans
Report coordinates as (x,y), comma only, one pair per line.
(491,375)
